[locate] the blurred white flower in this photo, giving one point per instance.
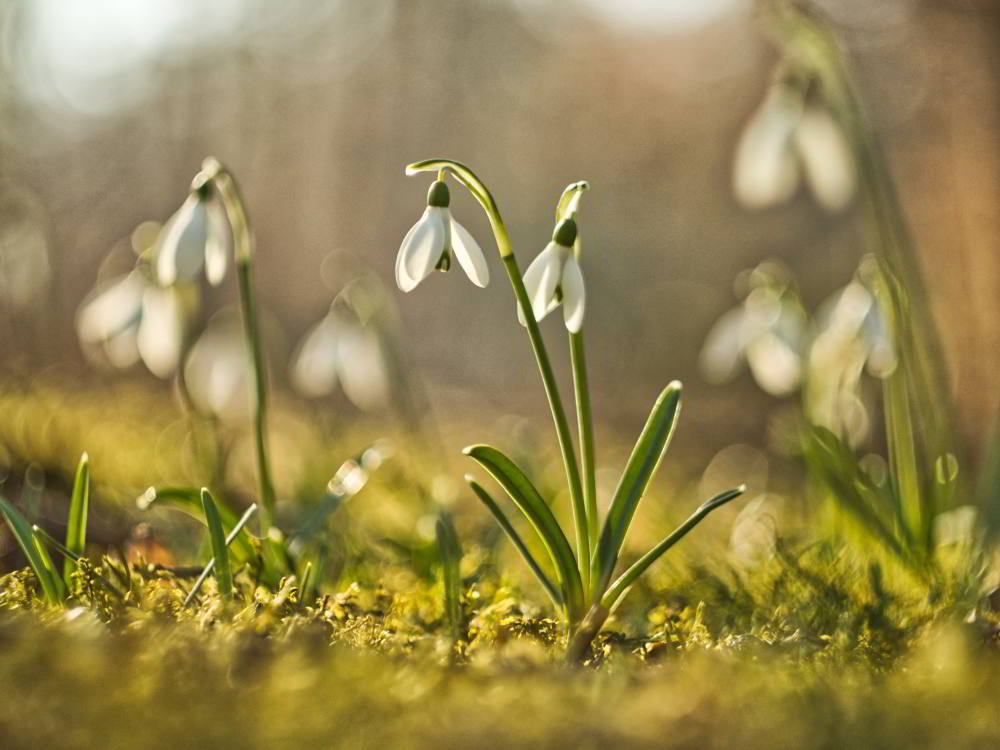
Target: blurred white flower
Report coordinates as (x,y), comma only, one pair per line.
(851,337)
(767,332)
(554,278)
(215,372)
(431,241)
(129,318)
(196,237)
(342,349)
(786,139)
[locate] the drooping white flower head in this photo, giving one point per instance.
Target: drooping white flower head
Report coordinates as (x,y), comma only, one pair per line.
(340,349)
(554,278)
(431,241)
(197,236)
(215,372)
(129,319)
(788,138)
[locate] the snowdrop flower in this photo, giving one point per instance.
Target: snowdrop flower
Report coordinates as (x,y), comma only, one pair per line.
(340,349)
(788,138)
(767,332)
(196,237)
(554,278)
(131,319)
(431,242)
(215,372)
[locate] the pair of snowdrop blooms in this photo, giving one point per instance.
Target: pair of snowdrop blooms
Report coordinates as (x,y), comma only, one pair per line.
(554,277)
(792,136)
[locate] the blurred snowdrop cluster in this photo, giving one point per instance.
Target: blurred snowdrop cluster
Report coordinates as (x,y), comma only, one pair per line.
(793,138)
(823,357)
(347,348)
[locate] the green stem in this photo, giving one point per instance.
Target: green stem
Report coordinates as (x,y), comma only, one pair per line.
(243,247)
(585,426)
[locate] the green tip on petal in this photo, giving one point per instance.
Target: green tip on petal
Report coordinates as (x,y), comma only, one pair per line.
(565,233)
(439,196)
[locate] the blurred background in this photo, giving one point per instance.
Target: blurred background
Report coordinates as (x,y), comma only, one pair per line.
(109,106)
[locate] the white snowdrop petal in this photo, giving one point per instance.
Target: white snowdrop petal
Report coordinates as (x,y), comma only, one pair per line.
(217,242)
(541,280)
(469,255)
(422,247)
(574,295)
(112,309)
(215,372)
(827,159)
(363,372)
(160,336)
(180,251)
(775,366)
(314,367)
(723,351)
(765,172)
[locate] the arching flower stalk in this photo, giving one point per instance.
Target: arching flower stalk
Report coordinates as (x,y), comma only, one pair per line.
(582,584)
(211,221)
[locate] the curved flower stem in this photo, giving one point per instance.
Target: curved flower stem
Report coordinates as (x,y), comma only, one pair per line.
(468,178)
(585,427)
(243,246)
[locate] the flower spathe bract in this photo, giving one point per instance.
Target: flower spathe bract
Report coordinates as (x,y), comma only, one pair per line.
(554,278)
(195,237)
(431,242)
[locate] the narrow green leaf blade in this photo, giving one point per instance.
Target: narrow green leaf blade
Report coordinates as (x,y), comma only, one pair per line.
(223,571)
(530,503)
(642,465)
(620,586)
(517,541)
(210,566)
(76,526)
(25,539)
(450,551)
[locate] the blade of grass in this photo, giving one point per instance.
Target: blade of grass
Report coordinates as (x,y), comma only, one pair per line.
(21,530)
(530,503)
(517,541)
(76,526)
(450,551)
(642,465)
(210,566)
(626,579)
(220,551)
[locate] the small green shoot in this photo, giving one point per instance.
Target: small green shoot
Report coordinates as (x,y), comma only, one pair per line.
(210,566)
(220,550)
(450,551)
(41,564)
(76,527)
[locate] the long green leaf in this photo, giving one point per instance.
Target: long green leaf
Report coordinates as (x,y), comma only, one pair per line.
(642,464)
(223,571)
(517,541)
(530,503)
(21,529)
(210,566)
(621,585)
(76,526)
(450,551)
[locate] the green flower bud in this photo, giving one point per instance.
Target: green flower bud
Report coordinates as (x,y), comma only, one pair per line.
(438,196)
(565,233)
